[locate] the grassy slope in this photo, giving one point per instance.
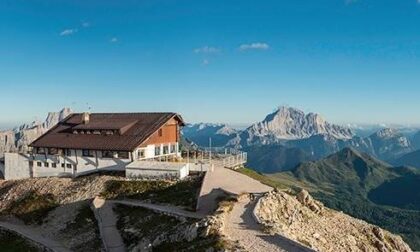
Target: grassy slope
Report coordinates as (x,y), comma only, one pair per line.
(32,208)
(137,224)
(183,193)
(10,242)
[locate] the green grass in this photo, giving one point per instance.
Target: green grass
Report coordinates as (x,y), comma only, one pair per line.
(262,178)
(183,193)
(10,242)
(32,208)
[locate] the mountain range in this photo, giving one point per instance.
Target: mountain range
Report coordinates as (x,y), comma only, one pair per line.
(303,137)
(364,187)
(20,137)
(200,133)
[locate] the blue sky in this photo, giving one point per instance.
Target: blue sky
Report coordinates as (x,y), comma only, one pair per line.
(218,61)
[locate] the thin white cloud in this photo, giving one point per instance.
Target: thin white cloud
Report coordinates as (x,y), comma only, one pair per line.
(68,32)
(113,40)
(85,24)
(254,46)
(205,62)
(207,49)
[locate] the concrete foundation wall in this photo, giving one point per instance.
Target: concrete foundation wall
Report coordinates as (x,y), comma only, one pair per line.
(16,166)
(144,173)
(1,169)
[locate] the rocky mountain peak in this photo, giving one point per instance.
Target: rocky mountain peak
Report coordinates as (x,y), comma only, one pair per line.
(287,123)
(387,133)
(19,138)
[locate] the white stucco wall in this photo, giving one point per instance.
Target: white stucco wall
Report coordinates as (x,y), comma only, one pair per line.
(79,165)
(16,166)
(149,151)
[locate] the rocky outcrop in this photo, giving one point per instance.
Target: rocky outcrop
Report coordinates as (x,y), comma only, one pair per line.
(17,140)
(65,190)
(303,219)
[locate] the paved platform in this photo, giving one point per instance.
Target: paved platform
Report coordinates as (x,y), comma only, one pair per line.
(223,179)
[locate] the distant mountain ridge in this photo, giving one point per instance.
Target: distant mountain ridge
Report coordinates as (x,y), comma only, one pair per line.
(18,139)
(410,159)
(201,133)
(290,137)
(288,123)
(416,140)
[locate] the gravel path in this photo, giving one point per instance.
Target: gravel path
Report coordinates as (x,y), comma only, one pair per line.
(107,222)
(161,208)
(241,226)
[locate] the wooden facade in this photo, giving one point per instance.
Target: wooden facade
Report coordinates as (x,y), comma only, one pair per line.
(168,133)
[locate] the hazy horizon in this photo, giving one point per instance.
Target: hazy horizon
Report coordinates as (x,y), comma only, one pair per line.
(4,125)
(212,61)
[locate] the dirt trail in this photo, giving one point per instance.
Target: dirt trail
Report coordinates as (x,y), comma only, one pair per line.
(107,221)
(241,226)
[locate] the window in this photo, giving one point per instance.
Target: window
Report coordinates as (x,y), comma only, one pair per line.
(40,151)
(54,165)
(173,148)
(69,166)
(141,153)
(87,153)
(46,164)
(52,151)
(107,154)
(39,164)
(62,165)
(165,149)
(31,163)
(123,154)
(68,152)
(157,151)
(160,132)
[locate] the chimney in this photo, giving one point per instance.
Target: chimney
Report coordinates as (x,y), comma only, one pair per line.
(85,117)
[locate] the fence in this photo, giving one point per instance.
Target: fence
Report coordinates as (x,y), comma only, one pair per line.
(235,161)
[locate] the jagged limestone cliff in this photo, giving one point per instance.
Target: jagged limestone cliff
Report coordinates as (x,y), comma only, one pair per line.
(19,138)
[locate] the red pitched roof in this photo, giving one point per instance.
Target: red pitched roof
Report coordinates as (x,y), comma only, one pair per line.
(133,129)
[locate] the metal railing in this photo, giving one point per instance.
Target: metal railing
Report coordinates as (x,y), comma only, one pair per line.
(235,161)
